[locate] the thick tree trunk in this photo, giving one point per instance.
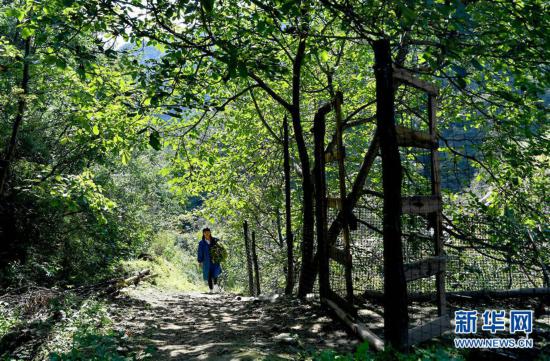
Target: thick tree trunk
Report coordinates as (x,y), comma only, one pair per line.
(22,103)
(256,266)
(396,318)
(248,259)
(319,128)
(288,216)
(307,272)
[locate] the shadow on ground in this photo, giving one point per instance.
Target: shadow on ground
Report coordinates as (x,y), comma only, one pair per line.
(196,326)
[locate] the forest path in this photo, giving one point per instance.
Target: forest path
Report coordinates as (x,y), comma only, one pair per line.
(200,326)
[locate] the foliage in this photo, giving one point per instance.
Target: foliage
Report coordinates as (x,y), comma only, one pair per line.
(174,267)
(218,253)
(90,334)
(363,352)
(206,87)
(236,72)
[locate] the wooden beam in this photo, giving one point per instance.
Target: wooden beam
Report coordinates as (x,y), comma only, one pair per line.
(378,296)
(424,268)
(429,330)
(421,204)
(408,78)
(342,303)
(358,329)
(407,137)
(334,202)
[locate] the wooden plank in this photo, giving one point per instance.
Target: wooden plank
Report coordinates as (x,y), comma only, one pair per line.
(421,204)
(334,202)
(407,137)
(408,78)
(378,296)
(342,303)
(429,330)
(358,329)
(338,255)
(424,268)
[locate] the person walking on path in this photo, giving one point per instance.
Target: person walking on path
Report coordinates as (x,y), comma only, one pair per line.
(210,268)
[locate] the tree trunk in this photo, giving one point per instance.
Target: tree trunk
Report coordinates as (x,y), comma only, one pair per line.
(248,260)
(319,129)
(289,236)
(10,150)
(395,287)
(307,272)
(256,267)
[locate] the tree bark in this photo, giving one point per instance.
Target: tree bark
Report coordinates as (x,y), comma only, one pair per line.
(256,267)
(22,104)
(289,237)
(307,273)
(248,260)
(395,287)
(319,129)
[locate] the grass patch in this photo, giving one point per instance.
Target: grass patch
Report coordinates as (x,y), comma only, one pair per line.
(174,269)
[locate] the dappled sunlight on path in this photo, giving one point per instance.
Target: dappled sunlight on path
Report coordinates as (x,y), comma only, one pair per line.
(198,326)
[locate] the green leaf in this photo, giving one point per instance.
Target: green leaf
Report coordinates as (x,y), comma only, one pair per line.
(27,32)
(16,13)
(124,157)
(95,130)
(323,55)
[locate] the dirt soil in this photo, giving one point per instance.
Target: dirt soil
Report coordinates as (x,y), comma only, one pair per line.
(201,326)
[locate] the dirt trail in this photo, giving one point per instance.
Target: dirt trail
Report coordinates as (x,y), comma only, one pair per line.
(199,326)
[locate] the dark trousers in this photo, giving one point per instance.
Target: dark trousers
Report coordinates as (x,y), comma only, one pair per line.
(211,280)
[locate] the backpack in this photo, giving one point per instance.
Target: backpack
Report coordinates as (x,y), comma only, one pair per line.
(218,252)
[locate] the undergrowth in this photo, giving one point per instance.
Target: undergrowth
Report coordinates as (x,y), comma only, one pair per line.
(364,353)
(66,327)
(174,269)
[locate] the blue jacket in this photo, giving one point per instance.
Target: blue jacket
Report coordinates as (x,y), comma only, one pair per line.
(203,255)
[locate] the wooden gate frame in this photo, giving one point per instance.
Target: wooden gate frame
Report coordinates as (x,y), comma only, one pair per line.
(389,137)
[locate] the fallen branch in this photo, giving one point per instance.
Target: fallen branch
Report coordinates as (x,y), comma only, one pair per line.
(113,286)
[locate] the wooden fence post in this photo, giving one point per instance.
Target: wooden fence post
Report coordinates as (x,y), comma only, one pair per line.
(256,267)
(248,260)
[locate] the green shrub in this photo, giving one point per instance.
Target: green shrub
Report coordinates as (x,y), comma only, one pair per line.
(175,269)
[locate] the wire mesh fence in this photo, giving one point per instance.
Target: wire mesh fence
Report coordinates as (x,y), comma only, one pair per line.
(473,261)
